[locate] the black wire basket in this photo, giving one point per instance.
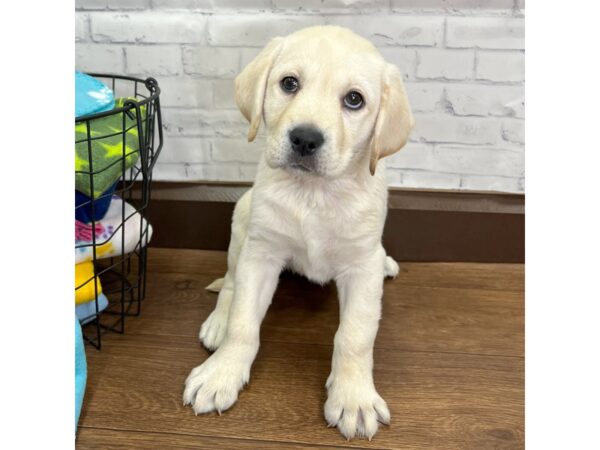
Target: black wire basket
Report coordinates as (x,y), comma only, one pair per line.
(132,135)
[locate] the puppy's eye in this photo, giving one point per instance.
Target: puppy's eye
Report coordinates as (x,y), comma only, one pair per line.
(353,100)
(290,84)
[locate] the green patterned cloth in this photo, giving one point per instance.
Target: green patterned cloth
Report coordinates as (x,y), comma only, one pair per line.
(107,140)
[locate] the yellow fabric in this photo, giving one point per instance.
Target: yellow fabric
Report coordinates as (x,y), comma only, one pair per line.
(85,272)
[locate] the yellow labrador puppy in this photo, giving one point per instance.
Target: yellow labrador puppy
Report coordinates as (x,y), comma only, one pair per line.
(332,108)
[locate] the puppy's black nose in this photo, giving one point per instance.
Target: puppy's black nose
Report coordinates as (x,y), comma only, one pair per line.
(306,140)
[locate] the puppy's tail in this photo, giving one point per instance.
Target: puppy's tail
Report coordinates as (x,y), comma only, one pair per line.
(216,285)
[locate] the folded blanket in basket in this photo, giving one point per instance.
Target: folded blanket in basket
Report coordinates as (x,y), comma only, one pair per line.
(86,312)
(83,205)
(119,232)
(91,95)
(114,147)
(85,289)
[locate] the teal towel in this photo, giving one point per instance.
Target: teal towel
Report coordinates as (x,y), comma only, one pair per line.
(80,370)
(91,95)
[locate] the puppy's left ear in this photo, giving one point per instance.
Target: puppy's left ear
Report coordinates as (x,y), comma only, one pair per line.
(251,85)
(395,119)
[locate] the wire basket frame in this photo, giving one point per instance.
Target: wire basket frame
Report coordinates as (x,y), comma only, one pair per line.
(140,138)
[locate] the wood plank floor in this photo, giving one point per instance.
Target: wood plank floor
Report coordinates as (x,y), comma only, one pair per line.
(449,361)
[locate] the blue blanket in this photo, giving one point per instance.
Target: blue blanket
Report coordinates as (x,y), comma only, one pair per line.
(83,205)
(86,312)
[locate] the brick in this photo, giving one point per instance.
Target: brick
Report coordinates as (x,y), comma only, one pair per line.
(211,61)
(500,66)
(90,5)
(444,64)
(224,94)
(513,130)
(485,32)
(519,6)
(425,97)
(446,128)
(449,6)
(390,29)
(393,177)
(248,172)
(477,160)
(99,58)
(185,92)
(197,122)
(188,5)
(81,27)
(413,156)
(195,172)
(153,60)
(432,180)
(236,150)
(253,30)
(185,150)
(490,183)
(123,5)
(256,30)
(253,6)
(329,6)
(242,5)
(403,58)
(120,5)
(169,172)
(148,27)
(213,171)
(247,55)
(486,100)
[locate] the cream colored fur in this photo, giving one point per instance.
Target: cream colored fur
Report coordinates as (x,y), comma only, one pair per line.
(326,225)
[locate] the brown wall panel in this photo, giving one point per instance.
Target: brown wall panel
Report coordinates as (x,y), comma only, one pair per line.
(411,234)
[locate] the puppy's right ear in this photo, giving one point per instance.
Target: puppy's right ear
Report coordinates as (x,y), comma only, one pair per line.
(251,85)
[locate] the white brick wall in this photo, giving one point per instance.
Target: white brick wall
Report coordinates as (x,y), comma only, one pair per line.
(463,62)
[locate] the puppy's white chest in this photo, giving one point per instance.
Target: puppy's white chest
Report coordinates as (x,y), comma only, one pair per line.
(320,227)
(315,254)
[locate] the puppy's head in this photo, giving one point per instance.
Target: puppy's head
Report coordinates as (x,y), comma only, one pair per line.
(328,99)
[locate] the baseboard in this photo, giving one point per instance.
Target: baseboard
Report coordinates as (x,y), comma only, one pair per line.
(421,225)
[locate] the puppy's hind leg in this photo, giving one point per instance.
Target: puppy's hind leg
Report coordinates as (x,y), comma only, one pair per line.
(214,328)
(391,269)
(216,285)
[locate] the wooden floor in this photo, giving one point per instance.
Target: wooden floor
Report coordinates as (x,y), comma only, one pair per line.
(449,361)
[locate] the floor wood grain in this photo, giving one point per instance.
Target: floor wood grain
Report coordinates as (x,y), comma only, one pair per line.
(448,360)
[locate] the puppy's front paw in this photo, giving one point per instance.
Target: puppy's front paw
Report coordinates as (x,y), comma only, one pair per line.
(214,385)
(212,331)
(355,408)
